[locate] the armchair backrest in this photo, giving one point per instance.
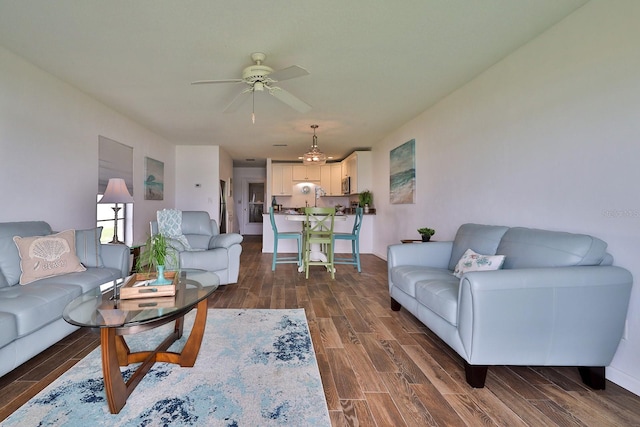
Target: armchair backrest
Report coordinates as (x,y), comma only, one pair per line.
(197,227)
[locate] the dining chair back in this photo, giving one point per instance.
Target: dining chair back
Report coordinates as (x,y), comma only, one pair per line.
(318,230)
(285,259)
(354,236)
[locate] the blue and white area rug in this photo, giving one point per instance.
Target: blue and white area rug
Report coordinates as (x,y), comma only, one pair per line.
(255,368)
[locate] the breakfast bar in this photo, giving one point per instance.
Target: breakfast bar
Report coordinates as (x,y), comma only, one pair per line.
(341,226)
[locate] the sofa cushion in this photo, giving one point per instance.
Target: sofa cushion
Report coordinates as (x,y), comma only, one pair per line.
(532,248)
(88,247)
(8,328)
(86,280)
(472,261)
(405,277)
(9,257)
(46,256)
(440,296)
(36,304)
(483,239)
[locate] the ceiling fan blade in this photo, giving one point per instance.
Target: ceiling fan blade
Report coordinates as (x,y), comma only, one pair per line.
(206,82)
(237,101)
(288,73)
(286,97)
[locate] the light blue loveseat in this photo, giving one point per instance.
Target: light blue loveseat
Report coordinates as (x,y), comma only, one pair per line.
(557,301)
(31,315)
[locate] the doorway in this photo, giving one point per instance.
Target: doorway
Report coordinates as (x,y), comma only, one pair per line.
(223,206)
(253,206)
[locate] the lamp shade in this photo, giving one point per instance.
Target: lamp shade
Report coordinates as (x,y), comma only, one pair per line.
(116,192)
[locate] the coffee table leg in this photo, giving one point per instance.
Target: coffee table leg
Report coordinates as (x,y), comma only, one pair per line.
(114,386)
(191,348)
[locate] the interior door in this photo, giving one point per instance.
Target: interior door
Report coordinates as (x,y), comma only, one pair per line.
(223,206)
(253,206)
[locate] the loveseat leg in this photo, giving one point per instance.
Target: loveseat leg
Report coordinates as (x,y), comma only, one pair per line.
(395,305)
(593,376)
(475,374)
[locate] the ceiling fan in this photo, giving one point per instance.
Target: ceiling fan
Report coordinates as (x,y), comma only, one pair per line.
(259,78)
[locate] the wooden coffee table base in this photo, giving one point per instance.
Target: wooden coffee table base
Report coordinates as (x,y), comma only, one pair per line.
(116,353)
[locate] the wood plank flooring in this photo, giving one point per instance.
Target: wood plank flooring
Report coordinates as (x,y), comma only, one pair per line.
(378,367)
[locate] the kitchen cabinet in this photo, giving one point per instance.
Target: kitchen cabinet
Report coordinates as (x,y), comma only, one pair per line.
(306,173)
(331,179)
(358,167)
(281,179)
(336,179)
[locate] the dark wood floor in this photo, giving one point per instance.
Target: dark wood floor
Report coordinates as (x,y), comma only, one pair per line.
(378,367)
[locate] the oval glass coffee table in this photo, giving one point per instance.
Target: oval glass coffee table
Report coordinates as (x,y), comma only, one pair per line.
(116,318)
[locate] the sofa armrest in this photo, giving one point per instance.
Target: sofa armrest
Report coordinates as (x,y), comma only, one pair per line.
(225,240)
(116,256)
(559,315)
(433,254)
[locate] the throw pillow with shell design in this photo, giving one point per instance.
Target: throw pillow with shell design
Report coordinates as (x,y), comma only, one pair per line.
(47,256)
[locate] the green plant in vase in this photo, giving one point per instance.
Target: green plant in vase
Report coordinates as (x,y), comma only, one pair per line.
(157,250)
(365,200)
(426,233)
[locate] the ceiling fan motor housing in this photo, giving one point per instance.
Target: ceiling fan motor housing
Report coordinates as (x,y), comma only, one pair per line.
(256,73)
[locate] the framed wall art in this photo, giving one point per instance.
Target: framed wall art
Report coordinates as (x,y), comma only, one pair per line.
(402,174)
(154,179)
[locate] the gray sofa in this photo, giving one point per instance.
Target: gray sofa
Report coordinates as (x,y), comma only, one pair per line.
(31,315)
(556,301)
(210,250)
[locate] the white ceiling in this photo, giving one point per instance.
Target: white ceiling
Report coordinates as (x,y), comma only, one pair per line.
(373,64)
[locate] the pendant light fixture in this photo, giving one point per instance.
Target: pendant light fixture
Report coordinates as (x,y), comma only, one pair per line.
(314,156)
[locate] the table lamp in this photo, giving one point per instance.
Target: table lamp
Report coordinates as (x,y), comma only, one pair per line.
(116,192)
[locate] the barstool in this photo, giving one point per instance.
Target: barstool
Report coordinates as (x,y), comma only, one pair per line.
(288,235)
(318,230)
(354,236)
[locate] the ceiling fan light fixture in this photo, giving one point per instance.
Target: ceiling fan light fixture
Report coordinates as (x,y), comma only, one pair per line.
(314,156)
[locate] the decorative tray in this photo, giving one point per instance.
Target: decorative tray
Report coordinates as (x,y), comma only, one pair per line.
(140,285)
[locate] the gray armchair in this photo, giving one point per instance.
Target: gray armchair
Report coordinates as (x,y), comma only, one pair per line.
(209,250)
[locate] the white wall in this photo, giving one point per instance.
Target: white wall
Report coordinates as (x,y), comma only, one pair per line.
(199,169)
(49,151)
(548,138)
(197,179)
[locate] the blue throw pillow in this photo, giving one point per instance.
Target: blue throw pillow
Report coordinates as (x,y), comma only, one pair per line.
(88,247)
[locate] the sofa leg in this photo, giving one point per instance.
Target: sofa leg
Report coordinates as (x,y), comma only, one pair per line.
(593,376)
(475,374)
(395,305)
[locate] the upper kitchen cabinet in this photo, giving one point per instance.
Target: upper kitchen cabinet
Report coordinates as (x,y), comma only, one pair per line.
(306,173)
(331,179)
(358,167)
(281,179)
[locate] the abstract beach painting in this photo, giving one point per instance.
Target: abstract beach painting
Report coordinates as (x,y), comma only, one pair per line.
(403,173)
(154,179)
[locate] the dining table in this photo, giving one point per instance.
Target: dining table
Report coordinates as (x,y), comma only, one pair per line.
(316,253)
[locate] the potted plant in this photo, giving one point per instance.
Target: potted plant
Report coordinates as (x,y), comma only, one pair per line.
(426,233)
(366,200)
(155,255)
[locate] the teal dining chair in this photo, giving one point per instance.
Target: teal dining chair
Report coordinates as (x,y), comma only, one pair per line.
(354,236)
(288,235)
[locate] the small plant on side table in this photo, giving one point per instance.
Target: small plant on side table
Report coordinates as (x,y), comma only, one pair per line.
(426,233)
